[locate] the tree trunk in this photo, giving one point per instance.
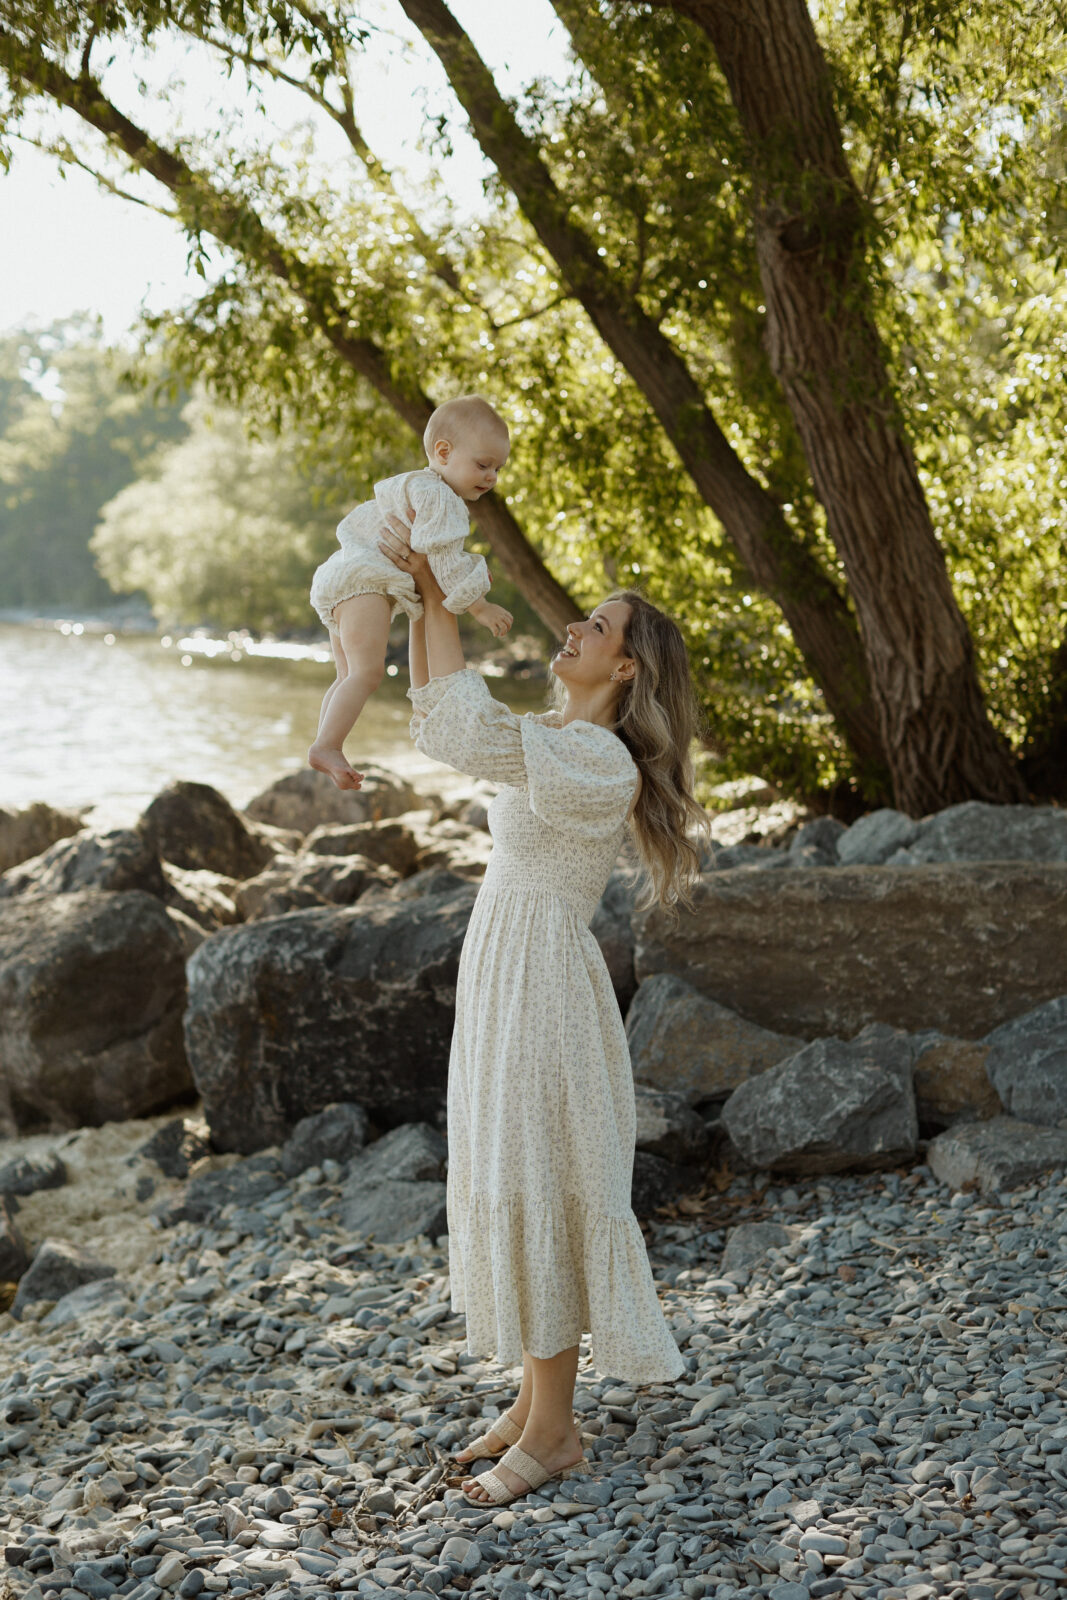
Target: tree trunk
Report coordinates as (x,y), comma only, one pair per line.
(236,224)
(826,353)
(779,563)
(1044,753)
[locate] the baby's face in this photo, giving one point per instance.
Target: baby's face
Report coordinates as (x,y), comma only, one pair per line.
(472,462)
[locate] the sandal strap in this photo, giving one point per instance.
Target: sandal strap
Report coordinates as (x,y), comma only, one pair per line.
(526,1467)
(497,1490)
(504,1429)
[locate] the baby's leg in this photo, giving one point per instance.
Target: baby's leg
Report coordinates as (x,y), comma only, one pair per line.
(363,621)
(341,667)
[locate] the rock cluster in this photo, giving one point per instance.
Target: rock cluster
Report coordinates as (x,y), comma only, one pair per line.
(265,1402)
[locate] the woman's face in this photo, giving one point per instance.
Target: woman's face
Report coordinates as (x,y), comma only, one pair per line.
(594,649)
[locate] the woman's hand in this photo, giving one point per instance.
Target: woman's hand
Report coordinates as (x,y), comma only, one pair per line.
(395,542)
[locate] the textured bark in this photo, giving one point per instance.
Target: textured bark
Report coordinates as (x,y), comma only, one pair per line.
(826,353)
(235,223)
(1044,754)
(776,559)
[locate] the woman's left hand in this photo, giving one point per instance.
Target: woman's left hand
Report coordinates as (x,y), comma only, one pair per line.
(395,542)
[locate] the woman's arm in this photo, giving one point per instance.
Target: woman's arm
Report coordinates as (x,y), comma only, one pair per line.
(434,649)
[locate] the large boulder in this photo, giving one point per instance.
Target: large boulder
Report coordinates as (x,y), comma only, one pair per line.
(306,800)
(682,1041)
(612,929)
(194,826)
(994,1155)
(288,1014)
(92,987)
(119,860)
(29,832)
(951,1081)
(1027,1063)
(834,1106)
(815,843)
(977,831)
(961,947)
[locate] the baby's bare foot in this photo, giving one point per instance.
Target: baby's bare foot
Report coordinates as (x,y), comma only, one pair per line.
(324,758)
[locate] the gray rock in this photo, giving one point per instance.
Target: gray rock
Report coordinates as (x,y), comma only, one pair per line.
(194,826)
(815,844)
(1027,1063)
(819,953)
(293,883)
(336,1133)
(91,993)
(414,1151)
(761,856)
(452,844)
(293,1013)
(951,1081)
(395,1209)
(306,800)
(683,1042)
(832,1107)
(999,1154)
(749,1242)
(977,831)
(667,1126)
(14,1258)
(208,1193)
(56,1269)
(29,832)
(26,1174)
(208,898)
(874,838)
(177,1146)
(390,844)
(120,860)
(612,929)
(434,881)
(656,1182)
(102,1294)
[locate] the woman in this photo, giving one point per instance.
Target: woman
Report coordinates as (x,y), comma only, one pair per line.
(543,1244)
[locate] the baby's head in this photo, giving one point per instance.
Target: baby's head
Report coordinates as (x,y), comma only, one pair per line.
(467,442)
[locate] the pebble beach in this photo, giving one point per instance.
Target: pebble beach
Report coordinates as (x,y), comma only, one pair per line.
(264,1404)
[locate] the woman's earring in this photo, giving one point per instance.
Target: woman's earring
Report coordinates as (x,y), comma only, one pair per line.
(614,678)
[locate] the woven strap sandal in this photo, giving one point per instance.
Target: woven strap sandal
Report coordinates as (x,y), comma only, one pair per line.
(503,1428)
(530,1471)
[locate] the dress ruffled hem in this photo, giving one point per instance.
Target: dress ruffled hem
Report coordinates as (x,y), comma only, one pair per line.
(536,1273)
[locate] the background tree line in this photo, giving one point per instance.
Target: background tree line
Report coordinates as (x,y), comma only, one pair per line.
(774,309)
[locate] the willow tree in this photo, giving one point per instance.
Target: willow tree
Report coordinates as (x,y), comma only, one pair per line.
(618,196)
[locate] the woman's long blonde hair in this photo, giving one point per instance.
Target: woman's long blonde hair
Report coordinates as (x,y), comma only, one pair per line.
(657,720)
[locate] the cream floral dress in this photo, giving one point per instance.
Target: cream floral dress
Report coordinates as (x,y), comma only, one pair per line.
(543,1245)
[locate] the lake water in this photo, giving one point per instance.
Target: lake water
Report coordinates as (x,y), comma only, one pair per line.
(107,720)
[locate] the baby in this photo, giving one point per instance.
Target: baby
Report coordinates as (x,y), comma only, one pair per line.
(358,591)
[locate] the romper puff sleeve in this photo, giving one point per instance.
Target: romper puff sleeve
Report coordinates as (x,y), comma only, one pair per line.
(580,778)
(440,528)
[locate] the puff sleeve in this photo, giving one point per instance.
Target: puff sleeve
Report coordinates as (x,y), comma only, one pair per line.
(580,778)
(441,525)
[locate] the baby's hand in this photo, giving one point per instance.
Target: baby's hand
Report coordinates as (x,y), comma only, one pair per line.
(492,616)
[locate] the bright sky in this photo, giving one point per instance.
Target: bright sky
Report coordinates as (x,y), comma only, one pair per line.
(66,246)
